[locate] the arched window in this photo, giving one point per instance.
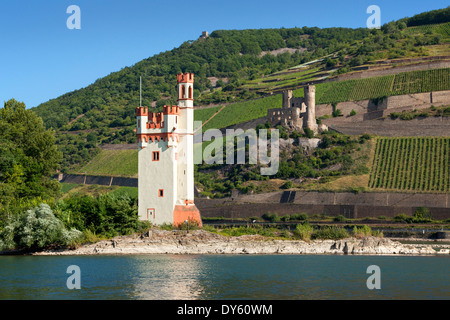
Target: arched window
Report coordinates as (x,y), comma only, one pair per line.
(190,93)
(182,92)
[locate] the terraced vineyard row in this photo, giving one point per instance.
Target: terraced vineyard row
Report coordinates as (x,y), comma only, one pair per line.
(412,163)
(358,89)
(421,81)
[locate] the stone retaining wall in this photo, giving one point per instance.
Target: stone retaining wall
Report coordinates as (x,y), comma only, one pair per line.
(100,180)
(349,205)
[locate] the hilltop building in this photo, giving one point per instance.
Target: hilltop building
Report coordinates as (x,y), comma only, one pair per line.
(296,113)
(205,34)
(166,160)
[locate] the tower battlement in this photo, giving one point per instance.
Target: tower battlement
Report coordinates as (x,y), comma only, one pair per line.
(141,111)
(185,78)
(155,117)
(172,110)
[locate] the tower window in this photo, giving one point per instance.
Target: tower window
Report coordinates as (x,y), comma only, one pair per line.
(161,193)
(155,155)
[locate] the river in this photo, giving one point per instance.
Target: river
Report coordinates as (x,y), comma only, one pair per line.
(220,277)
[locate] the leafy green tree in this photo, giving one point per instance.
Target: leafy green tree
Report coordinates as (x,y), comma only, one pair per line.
(107,215)
(28,157)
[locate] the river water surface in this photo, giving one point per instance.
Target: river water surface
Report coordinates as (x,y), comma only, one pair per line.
(218,277)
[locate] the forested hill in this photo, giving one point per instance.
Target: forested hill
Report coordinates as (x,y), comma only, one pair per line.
(225,54)
(223,63)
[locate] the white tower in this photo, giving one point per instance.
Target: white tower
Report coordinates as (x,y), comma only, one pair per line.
(166,160)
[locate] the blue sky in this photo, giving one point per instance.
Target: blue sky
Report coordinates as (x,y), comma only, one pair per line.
(41,59)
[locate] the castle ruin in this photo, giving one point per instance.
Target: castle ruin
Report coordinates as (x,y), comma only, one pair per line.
(296,113)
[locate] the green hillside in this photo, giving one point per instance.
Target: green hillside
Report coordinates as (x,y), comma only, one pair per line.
(247,64)
(112,163)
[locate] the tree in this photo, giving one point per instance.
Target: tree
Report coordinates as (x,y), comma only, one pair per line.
(28,157)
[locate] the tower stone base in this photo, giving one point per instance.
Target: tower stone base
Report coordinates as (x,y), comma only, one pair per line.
(189,212)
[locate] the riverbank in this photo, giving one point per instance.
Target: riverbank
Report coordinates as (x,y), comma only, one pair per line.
(203,242)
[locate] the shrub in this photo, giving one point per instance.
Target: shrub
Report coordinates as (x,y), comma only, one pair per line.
(339,218)
(364,231)
(37,228)
(288,185)
(333,232)
(352,113)
(403,218)
(336,113)
(394,115)
(304,231)
(422,213)
(365,137)
(191,225)
(272,217)
(299,217)
(308,133)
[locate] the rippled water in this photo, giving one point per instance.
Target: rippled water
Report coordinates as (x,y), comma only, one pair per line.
(216,277)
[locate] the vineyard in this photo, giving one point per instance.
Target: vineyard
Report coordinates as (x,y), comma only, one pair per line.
(443,29)
(384,86)
(112,163)
(204,114)
(333,92)
(242,112)
(421,81)
(419,164)
(354,90)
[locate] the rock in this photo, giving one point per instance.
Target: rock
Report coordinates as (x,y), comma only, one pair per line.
(202,242)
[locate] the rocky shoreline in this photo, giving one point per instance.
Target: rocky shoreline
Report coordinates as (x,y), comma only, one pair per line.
(202,242)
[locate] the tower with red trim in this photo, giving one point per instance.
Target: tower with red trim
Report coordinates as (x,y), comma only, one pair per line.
(166,160)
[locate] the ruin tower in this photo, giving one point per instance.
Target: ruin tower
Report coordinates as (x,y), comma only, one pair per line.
(287,97)
(310,116)
(166,167)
